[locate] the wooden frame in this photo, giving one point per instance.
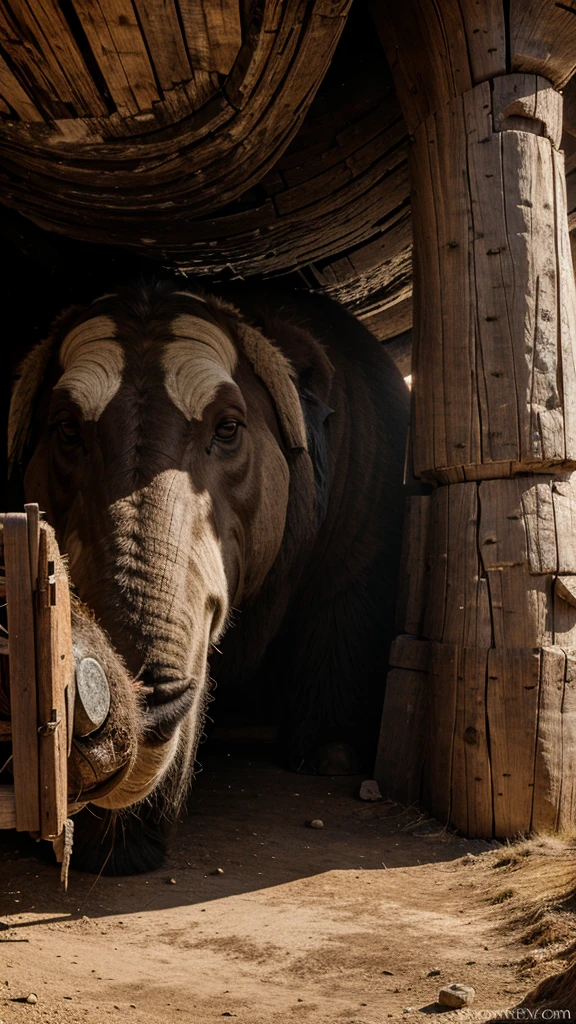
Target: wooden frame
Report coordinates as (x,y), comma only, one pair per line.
(41,670)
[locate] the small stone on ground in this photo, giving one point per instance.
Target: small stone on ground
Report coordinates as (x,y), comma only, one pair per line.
(370,790)
(456,995)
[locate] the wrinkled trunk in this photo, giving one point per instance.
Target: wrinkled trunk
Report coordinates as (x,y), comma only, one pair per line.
(163,600)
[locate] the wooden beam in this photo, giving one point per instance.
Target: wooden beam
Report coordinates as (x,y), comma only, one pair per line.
(55,675)
(494,424)
(23,701)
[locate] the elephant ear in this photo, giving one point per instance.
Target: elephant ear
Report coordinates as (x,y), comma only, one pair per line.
(276,372)
(32,372)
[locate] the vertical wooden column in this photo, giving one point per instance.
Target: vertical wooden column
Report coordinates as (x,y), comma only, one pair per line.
(494,414)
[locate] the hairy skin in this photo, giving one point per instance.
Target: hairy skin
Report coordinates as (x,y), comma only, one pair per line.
(212,488)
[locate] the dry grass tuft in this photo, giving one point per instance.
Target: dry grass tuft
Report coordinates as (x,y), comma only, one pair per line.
(533,881)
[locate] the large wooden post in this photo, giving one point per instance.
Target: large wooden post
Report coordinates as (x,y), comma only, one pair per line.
(492,709)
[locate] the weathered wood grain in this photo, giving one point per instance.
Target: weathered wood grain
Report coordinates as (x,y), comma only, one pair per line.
(543,39)
(32,70)
(16,96)
(161,29)
(7,807)
(410,652)
(512,704)
(472,682)
(413,576)
(428,404)
(439,539)
(47,30)
(440,729)
(55,674)
(549,769)
(467,619)
(114,35)
(494,402)
(401,748)
(213,33)
(567,810)
(23,702)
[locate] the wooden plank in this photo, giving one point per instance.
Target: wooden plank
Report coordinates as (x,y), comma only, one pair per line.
(564,612)
(427,53)
(23,701)
(16,96)
(44,24)
(32,511)
(564,501)
(213,33)
(512,706)
(539,524)
(413,576)
(471,808)
(520,602)
(459,436)
(400,756)
(165,42)
(115,39)
(438,560)
(458,812)
(408,652)
(494,281)
(519,99)
(262,38)
(7,807)
(467,619)
(428,402)
(477,767)
(567,307)
(55,674)
(567,810)
(485,26)
(30,66)
(528,184)
(518,524)
(549,760)
(441,726)
(543,39)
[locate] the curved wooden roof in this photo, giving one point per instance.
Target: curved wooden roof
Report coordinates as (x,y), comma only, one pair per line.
(223,137)
(121,109)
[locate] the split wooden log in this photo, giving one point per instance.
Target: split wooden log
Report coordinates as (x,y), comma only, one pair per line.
(494,408)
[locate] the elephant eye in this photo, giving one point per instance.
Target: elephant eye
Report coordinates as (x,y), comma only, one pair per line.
(227,430)
(68,432)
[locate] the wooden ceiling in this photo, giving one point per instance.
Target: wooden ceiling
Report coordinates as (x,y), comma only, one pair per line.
(224,137)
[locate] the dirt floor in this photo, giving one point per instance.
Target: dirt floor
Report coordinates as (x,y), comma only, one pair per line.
(360,922)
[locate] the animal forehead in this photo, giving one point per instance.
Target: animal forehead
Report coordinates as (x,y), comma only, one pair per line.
(93,361)
(196,356)
(198,359)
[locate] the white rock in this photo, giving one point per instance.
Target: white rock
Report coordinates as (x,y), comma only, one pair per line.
(316,823)
(32,998)
(370,790)
(456,995)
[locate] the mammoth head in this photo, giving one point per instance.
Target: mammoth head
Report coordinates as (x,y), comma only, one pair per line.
(154,427)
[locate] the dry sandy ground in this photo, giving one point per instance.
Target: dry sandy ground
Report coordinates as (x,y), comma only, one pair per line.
(357,923)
